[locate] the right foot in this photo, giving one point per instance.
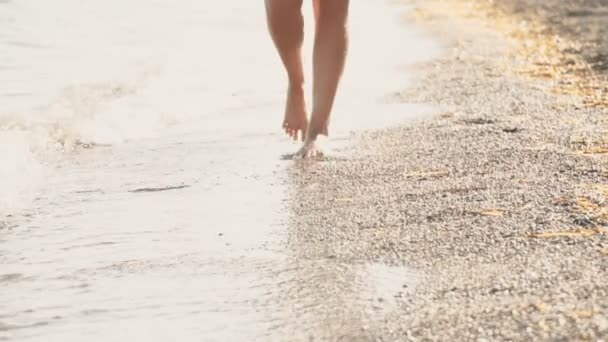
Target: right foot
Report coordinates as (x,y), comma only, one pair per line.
(310,148)
(296,119)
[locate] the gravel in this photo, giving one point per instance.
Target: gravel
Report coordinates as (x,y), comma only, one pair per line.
(500,201)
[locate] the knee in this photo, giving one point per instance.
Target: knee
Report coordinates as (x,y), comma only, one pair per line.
(333,12)
(282,8)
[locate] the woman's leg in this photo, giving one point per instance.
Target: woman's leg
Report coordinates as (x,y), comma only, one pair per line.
(286,26)
(329,56)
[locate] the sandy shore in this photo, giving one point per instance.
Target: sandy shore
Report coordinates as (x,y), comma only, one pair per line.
(581,21)
(562,41)
(499,203)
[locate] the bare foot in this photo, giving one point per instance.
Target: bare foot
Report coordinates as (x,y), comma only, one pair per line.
(310,148)
(296,119)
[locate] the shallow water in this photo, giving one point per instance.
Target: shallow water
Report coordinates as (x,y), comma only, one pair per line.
(173,224)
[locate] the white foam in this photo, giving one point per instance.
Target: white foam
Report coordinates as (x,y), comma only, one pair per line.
(20,172)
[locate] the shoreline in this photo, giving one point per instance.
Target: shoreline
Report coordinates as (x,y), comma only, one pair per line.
(499,202)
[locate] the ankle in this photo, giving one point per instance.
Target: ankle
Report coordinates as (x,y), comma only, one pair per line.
(313,133)
(296,86)
(316,127)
